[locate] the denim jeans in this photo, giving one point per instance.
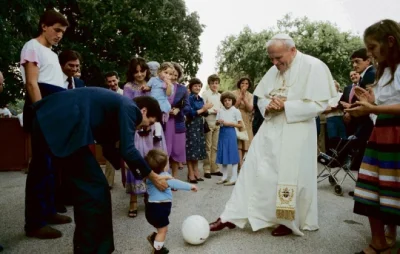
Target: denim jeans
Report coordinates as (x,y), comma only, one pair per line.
(335,127)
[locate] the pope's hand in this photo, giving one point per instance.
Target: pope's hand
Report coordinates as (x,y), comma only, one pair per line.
(345,104)
(277,104)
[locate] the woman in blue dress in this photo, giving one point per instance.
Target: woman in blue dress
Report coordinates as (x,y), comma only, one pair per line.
(195,140)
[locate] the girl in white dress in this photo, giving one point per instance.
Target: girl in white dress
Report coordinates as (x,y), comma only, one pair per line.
(228,118)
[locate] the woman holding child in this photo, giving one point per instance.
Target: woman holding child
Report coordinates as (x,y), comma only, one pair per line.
(175,130)
(137,76)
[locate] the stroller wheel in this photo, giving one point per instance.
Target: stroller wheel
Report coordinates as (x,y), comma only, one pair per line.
(332,180)
(338,190)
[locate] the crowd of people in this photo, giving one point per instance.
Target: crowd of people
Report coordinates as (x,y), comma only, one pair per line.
(154,124)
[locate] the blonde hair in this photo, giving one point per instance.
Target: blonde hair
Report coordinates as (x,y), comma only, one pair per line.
(157,160)
(165,66)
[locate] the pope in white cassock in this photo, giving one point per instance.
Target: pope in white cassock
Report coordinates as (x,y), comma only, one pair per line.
(277,186)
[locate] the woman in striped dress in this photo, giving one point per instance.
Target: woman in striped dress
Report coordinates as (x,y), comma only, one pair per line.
(377,193)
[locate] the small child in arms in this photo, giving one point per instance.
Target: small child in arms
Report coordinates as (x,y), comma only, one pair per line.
(159,203)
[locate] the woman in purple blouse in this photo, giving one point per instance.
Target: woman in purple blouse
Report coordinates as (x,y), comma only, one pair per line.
(137,76)
(175,130)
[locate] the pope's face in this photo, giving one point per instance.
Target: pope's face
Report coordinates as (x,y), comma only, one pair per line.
(281,56)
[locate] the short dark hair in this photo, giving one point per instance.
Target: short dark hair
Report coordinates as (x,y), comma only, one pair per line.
(194,81)
(157,160)
(361,53)
(213,78)
(151,104)
(178,69)
(228,95)
(240,82)
(68,55)
(111,74)
(135,61)
(51,17)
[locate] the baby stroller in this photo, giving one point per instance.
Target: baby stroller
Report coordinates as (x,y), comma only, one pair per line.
(337,159)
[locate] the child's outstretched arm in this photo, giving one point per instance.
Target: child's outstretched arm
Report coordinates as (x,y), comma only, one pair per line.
(179,185)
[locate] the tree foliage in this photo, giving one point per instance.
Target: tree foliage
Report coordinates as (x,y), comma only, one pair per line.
(106,33)
(245,54)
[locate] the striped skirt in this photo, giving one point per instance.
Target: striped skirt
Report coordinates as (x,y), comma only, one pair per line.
(377,192)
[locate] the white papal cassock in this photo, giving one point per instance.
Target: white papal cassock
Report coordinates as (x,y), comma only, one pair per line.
(282,156)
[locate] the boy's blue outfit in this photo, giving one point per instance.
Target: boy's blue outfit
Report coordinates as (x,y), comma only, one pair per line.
(158,206)
(158,91)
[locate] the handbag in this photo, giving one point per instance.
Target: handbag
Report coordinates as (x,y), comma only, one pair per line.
(242,135)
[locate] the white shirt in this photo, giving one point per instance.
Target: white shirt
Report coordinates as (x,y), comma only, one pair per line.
(5,112)
(388,94)
(214,98)
(50,71)
(231,115)
(119,91)
(65,77)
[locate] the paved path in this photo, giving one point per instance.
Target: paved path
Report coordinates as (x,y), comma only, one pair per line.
(341,231)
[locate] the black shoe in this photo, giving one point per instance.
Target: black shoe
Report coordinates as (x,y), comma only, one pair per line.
(351,193)
(61,209)
(217,174)
(199,179)
(151,238)
(163,250)
(1,248)
(207,175)
(192,181)
(45,232)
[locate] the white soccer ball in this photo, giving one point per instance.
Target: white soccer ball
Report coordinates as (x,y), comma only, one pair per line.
(195,229)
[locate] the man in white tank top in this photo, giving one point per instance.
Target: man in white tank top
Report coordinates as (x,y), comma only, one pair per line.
(42,76)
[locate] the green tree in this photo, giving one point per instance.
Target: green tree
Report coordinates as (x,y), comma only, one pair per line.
(245,54)
(106,33)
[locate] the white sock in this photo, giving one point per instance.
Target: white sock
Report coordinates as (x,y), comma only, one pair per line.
(158,245)
(158,129)
(234,173)
(224,171)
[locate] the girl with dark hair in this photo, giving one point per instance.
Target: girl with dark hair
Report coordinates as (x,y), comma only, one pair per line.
(229,118)
(195,139)
(377,191)
(137,77)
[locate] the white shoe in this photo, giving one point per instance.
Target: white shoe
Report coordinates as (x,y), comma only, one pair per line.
(229,183)
(222,181)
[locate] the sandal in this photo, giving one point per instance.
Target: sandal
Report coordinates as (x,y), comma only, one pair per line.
(377,251)
(132,213)
(390,239)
